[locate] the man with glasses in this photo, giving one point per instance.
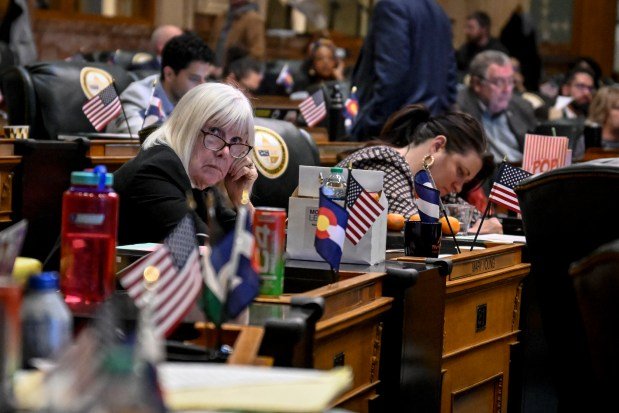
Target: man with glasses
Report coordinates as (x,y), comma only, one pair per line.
(490,98)
(576,95)
(186,62)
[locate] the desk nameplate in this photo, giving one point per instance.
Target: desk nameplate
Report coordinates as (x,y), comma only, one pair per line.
(471,263)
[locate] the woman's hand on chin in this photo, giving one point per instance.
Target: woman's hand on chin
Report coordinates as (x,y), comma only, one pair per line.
(241,176)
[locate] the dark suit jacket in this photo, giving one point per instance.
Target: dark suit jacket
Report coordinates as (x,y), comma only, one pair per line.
(152,188)
(407,57)
(520,115)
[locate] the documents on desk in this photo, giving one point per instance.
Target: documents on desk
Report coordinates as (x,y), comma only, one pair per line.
(496,238)
(198,386)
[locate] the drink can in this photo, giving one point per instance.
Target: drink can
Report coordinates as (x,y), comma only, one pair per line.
(269,231)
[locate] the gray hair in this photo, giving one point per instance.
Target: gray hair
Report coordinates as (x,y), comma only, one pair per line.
(482,61)
(216,104)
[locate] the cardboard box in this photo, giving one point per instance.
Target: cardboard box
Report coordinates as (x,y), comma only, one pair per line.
(303,213)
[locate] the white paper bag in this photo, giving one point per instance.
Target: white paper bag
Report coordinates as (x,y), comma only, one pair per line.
(303,213)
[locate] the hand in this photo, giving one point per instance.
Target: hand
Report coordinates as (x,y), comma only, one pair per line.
(338,71)
(241,176)
(491,226)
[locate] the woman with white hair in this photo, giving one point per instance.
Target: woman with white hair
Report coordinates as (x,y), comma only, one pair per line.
(206,141)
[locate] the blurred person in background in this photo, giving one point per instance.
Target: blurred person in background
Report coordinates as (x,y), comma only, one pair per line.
(478,39)
(604,111)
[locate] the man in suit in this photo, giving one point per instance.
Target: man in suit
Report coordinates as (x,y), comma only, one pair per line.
(407,57)
(186,62)
(478,39)
(489,98)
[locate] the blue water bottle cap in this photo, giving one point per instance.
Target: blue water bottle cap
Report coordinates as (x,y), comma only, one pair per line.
(44,281)
(97,177)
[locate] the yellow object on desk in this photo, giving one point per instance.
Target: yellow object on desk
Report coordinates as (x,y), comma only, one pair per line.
(25,267)
(198,386)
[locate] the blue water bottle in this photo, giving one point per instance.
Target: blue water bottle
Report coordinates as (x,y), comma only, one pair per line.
(47,323)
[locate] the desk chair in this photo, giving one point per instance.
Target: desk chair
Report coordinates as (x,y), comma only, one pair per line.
(596,281)
(49,96)
(276,180)
(571,128)
(40,180)
(564,215)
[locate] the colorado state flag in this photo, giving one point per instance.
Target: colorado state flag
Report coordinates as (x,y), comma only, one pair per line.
(330,231)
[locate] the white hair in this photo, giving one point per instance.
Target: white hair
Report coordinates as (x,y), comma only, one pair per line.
(213,104)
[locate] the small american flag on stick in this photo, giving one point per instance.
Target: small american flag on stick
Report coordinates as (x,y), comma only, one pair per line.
(502,192)
(103,107)
(314,109)
(362,208)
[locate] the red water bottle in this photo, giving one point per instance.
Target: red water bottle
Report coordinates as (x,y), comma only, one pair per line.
(88,248)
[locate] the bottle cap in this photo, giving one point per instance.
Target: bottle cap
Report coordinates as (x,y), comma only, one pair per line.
(336,170)
(44,281)
(92,178)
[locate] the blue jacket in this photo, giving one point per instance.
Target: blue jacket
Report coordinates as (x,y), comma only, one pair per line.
(407,57)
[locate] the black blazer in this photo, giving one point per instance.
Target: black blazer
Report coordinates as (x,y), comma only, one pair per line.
(153,189)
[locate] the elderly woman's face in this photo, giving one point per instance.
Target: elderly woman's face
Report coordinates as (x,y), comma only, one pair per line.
(208,167)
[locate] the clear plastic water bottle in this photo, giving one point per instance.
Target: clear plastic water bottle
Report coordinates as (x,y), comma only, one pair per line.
(335,185)
(47,323)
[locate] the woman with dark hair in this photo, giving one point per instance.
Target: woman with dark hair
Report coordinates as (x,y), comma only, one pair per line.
(321,65)
(457,143)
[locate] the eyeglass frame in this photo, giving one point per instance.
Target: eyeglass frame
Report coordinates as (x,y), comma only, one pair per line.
(499,82)
(228,144)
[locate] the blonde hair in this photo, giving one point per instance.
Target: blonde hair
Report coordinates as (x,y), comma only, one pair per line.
(214,104)
(602,103)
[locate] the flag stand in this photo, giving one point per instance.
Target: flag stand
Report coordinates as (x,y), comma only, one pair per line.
(428,160)
(123,109)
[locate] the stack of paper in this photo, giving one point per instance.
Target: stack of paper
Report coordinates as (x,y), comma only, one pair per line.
(195,386)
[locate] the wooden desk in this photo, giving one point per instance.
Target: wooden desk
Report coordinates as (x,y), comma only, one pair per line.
(112,153)
(598,153)
(482,308)
(350,332)
(8,163)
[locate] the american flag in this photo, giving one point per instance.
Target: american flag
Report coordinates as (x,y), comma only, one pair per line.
(180,281)
(103,107)
(502,191)
(313,108)
(362,208)
(543,153)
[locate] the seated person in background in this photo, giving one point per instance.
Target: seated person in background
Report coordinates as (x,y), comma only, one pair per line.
(489,98)
(321,65)
(158,39)
(576,95)
(604,111)
(186,63)
(206,141)
(455,140)
(243,71)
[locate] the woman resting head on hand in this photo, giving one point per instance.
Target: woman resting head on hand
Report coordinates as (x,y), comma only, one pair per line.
(456,142)
(206,141)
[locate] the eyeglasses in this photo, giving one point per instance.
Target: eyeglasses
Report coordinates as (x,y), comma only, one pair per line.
(216,143)
(500,82)
(583,87)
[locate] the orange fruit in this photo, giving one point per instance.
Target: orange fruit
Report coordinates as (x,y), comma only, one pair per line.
(415,217)
(455,225)
(375,195)
(395,222)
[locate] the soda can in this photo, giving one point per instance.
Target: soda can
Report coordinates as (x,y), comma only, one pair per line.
(269,231)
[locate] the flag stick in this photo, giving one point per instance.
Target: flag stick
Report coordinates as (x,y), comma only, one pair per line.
(427,163)
(483,217)
(122,108)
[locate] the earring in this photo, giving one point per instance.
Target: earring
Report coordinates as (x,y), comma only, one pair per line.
(427,161)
